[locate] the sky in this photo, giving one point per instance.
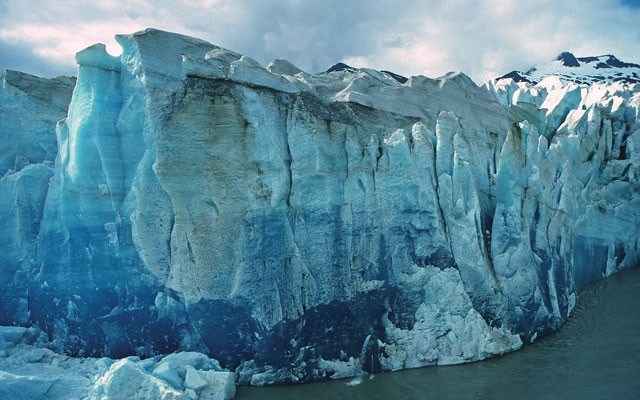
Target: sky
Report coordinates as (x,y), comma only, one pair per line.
(482,38)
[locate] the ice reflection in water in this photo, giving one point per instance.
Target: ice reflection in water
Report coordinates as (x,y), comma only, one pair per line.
(596,355)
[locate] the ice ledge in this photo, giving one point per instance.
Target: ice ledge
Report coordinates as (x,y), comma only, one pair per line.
(55,91)
(97,56)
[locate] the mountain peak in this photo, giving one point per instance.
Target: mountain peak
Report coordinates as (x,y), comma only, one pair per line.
(568,59)
(341,67)
(581,70)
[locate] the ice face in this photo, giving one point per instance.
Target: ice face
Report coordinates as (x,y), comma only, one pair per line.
(297,227)
(29,109)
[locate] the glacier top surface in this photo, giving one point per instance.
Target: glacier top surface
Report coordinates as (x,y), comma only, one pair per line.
(165,57)
(43,89)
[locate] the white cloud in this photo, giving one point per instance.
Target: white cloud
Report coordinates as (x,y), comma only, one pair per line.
(483,39)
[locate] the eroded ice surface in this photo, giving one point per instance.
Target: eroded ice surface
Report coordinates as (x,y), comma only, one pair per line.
(300,226)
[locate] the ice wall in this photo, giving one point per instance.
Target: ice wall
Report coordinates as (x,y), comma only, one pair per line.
(297,226)
(29,109)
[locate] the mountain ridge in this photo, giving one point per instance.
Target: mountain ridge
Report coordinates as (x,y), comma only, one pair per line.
(606,68)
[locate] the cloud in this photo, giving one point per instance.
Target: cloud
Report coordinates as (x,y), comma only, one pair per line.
(16,57)
(486,39)
(482,39)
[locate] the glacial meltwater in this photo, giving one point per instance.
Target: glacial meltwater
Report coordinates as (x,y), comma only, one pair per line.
(595,355)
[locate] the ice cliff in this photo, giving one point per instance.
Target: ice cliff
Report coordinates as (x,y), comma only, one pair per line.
(29,110)
(298,226)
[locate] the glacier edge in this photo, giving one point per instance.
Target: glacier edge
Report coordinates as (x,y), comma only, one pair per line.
(297,227)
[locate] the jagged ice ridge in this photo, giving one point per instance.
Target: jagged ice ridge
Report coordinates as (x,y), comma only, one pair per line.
(297,226)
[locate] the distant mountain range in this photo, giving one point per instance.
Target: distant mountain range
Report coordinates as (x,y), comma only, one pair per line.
(582,70)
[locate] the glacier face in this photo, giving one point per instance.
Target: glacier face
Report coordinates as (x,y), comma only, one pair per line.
(29,109)
(297,226)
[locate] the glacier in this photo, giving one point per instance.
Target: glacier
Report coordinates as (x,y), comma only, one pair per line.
(297,227)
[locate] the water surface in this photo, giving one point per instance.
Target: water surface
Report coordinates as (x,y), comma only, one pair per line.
(596,355)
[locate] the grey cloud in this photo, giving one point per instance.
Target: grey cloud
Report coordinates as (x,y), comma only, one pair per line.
(410,37)
(17,57)
(312,35)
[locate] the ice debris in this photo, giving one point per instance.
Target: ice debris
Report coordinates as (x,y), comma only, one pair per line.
(29,369)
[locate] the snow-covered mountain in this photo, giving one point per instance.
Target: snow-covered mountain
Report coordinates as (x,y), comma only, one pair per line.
(581,70)
(298,226)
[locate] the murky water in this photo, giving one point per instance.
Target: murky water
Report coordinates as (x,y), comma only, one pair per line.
(596,355)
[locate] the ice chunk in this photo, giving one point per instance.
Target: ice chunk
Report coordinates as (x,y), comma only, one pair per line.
(166,372)
(211,385)
(180,361)
(125,380)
